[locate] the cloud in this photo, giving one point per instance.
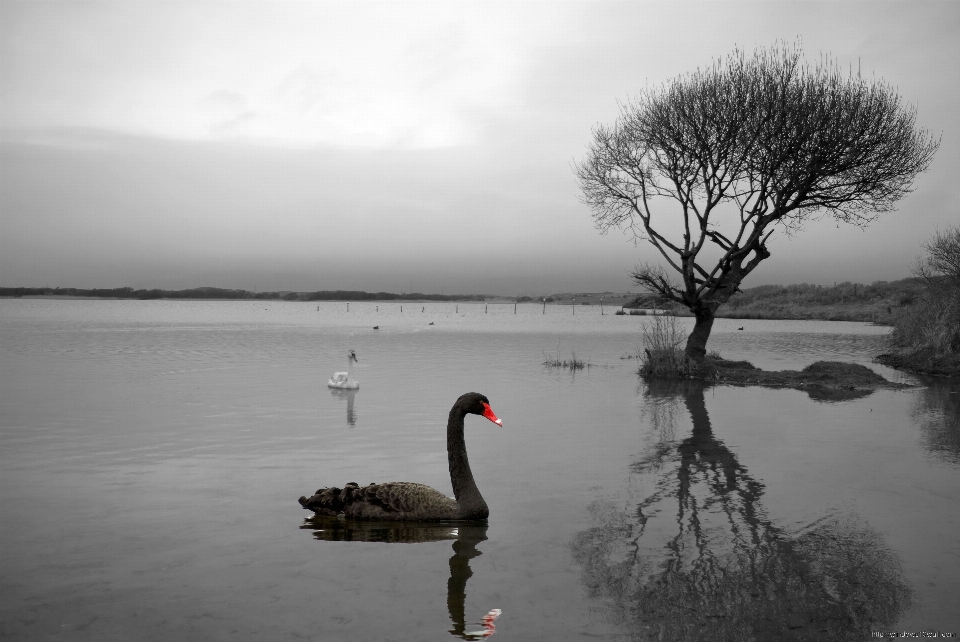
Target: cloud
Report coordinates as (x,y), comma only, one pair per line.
(433,138)
(403,75)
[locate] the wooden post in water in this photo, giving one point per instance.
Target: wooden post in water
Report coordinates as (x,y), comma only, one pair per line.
(544,307)
(348,307)
(484,308)
(573,305)
(514,307)
(601,306)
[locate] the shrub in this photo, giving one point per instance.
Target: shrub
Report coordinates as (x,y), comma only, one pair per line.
(662,354)
(932,324)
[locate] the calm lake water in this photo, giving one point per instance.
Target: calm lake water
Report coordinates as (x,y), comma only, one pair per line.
(152,454)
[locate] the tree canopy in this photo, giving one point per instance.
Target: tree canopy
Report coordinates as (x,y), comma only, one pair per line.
(708,165)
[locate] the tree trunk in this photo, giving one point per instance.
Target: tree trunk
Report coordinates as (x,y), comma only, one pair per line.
(697,341)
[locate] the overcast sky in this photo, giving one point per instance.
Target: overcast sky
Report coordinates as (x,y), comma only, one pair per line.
(399,146)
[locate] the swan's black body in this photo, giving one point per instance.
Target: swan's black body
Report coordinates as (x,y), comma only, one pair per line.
(416,502)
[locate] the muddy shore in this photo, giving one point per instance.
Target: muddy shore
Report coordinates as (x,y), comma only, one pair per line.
(823,379)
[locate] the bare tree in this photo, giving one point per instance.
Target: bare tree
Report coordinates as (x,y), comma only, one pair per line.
(729,152)
(941,266)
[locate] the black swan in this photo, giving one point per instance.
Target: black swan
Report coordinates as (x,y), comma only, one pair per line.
(416,502)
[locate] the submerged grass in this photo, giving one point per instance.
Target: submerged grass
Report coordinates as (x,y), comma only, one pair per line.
(573,363)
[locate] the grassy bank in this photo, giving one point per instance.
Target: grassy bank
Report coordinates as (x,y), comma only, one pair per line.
(881,302)
(923,362)
(926,334)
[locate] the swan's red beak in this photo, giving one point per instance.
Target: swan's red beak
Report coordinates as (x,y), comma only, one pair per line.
(488,413)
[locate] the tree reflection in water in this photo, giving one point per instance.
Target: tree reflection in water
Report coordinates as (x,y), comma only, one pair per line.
(466,536)
(724,571)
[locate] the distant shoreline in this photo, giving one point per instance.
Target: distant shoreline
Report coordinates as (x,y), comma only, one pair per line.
(223,294)
(69,297)
(611,299)
(878,303)
(65,297)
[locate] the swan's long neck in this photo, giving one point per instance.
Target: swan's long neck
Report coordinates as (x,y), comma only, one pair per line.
(350,368)
(465,488)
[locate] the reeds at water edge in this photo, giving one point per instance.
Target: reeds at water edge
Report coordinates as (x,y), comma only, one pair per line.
(573,363)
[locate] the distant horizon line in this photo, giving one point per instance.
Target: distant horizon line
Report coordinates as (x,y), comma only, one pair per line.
(212,292)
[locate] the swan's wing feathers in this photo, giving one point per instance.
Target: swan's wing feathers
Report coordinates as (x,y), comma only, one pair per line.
(392,497)
(389,501)
(414,501)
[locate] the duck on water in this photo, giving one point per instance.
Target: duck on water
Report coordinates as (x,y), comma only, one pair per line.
(406,501)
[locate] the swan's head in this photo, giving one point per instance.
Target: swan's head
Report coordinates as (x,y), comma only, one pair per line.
(477,404)
(352,356)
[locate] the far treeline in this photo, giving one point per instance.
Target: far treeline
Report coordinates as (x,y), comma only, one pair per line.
(222,293)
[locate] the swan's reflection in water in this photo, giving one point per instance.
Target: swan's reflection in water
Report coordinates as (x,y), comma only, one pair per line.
(348,395)
(698,560)
(465,536)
